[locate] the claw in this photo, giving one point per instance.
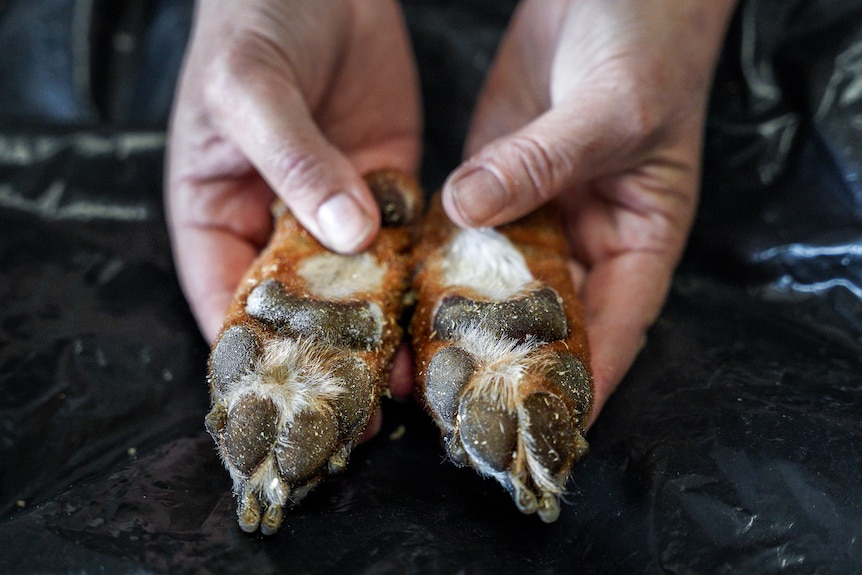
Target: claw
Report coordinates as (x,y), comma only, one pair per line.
(216,420)
(524,498)
(338,461)
(248,513)
(549,508)
(455,450)
(271,520)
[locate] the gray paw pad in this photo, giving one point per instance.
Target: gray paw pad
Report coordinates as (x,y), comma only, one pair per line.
(352,325)
(448,372)
(550,430)
(249,432)
(353,405)
(539,315)
(234,354)
(570,376)
(489,433)
(307,446)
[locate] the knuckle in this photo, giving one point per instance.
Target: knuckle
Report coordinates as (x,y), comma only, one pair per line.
(640,118)
(537,167)
(297,173)
(246,63)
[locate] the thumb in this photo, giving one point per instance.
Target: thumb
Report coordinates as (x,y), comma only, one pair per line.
(574,142)
(268,119)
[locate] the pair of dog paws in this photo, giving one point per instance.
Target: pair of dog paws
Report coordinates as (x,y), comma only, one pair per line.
(497,332)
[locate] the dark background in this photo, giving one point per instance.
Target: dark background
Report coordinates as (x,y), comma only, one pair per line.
(733,446)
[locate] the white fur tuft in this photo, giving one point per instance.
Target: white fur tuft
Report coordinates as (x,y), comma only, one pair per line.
(501,362)
(486,261)
(336,277)
(295,374)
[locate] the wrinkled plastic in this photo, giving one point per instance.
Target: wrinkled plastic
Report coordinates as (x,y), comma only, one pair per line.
(731,447)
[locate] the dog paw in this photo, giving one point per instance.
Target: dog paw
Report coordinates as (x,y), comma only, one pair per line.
(304,355)
(502,354)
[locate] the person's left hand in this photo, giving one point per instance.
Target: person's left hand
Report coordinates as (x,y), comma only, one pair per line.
(599,104)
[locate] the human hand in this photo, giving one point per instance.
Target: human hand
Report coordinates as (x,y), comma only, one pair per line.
(599,104)
(287,98)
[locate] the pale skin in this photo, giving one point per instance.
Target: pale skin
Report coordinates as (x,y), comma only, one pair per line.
(596,104)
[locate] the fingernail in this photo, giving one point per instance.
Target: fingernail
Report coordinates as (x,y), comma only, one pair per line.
(478,196)
(343,223)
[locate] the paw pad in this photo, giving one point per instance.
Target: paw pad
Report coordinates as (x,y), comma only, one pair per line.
(448,373)
(249,432)
(353,325)
(233,355)
(538,315)
(489,432)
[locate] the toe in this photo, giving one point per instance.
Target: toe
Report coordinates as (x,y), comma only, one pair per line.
(448,373)
(549,431)
(488,433)
(249,432)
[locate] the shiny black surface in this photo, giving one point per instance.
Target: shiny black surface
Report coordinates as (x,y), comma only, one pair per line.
(733,446)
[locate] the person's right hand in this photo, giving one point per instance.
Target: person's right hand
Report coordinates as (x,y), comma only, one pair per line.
(289,98)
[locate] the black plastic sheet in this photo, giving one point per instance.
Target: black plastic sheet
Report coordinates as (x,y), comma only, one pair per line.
(732,446)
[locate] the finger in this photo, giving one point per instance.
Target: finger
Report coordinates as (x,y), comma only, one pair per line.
(622,298)
(516,89)
(566,103)
(262,111)
(401,374)
(217,229)
(373,427)
(574,142)
(211,264)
